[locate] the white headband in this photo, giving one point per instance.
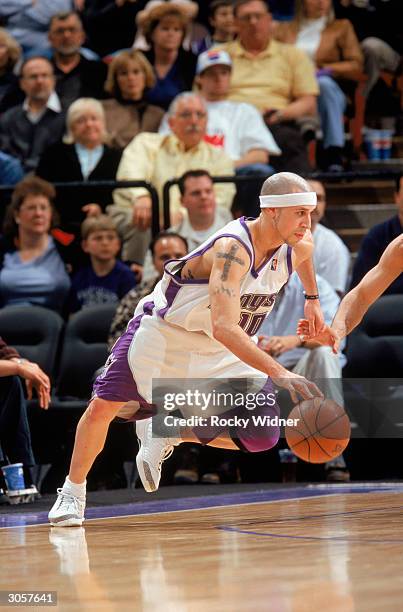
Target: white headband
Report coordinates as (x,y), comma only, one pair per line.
(307,198)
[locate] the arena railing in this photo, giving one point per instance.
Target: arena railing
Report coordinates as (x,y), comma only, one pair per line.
(155,224)
(327,177)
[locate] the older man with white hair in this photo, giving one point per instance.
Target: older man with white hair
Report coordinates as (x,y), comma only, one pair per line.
(157,159)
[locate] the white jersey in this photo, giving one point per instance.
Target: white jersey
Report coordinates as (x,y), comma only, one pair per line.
(185,303)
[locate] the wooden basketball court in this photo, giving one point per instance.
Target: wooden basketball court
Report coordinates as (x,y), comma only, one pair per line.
(306,548)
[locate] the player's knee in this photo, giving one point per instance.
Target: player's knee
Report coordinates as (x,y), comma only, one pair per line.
(261,442)
(99,410)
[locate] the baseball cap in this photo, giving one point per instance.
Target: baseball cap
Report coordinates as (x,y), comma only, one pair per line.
(212,58)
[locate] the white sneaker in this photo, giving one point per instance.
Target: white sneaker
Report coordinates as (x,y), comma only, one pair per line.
(67,511)
(153,451)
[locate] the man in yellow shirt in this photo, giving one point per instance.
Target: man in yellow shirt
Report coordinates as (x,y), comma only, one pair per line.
(157,159)
(278,79)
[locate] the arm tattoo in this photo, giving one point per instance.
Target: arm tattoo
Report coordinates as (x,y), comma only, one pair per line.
(224,290)
(229,258)
(188,274)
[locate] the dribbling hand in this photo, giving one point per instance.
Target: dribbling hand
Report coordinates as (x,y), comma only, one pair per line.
(297,386)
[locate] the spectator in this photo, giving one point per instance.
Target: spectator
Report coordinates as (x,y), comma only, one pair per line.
(28,129)
(331,256)
(27,21)
(165,246)
(203,217)
(76,76)
(164,27)
(127,113)
(221,19)
(236,126)
(106,280)
(10,170)
(318,363)
(376,241)
(84,156)
(32,270)
(277,78)
(378,26)
(334,48)
(156,158)
(15,436)
(10,53)
(195,31)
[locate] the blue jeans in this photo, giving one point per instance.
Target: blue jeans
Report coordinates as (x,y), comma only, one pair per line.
(15,437)
(247,197)
(331,106)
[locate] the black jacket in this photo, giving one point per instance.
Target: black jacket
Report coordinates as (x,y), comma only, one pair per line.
(25,140)
(60,163)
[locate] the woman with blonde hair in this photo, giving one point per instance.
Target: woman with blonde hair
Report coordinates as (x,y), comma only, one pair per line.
(83,156)
(10,53)
(334,48)
(127,113)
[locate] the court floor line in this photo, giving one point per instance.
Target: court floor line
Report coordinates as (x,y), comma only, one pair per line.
(8,521)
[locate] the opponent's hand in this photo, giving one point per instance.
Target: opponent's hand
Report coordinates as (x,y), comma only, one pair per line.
(297,386)
(314,316)
(142,213)
(327,337)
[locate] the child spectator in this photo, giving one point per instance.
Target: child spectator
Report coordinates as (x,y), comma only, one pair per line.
(221,19)
(105,280)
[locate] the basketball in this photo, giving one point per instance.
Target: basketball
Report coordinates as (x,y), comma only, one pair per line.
(322,430)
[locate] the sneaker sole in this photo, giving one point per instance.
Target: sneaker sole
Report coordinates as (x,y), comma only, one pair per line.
(145,474)
(71,522)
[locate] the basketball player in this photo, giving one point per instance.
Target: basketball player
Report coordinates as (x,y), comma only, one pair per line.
(356,303)
(198,322)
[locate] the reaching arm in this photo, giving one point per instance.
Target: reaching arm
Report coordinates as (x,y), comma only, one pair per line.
(356,303)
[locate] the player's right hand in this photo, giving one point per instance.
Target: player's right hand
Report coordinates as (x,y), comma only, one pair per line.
(327,337)
(297,386)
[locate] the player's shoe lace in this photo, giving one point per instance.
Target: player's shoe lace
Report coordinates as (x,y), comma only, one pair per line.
(67,510)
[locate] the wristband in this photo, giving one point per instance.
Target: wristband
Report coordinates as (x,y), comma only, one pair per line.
(311,297)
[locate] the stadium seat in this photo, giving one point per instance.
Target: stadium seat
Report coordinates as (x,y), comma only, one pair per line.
(84,350)
(35,333)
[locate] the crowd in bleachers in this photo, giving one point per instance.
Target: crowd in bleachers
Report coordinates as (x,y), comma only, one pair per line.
(105,90)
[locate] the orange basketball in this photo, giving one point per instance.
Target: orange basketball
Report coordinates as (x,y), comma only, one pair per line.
(322,430)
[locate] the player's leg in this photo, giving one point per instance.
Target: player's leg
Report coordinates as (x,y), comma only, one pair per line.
(68,510)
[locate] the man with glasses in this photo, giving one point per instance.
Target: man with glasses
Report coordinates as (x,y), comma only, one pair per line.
(76,76)
(277,78)
(158,158)
(28,129)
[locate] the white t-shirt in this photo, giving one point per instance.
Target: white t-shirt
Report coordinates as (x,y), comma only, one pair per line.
(237,127)
(308,38)
(331,258)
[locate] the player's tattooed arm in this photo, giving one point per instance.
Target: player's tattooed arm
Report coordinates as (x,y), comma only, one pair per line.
(230,258)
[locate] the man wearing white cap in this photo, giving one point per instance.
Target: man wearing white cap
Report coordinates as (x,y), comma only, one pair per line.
(199,323)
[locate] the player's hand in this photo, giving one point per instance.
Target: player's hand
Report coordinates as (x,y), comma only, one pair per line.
(92,210)
(297,386)
(327,337)
(314,316)
(142,211)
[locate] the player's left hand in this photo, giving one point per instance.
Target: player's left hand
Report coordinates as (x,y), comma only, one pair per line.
(314,316)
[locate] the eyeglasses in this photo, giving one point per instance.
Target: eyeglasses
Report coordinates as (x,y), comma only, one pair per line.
(189,114)
(252,16)
(66,30)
